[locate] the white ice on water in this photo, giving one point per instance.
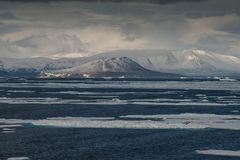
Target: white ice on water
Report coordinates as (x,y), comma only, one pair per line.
(9,125)
(113,100)
(202,85)
(167,121)
(227,153)
(18,158)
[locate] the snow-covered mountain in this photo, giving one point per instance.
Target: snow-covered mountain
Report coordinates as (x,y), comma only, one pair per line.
(192,62)
(31,67)
(107,67)
(188,62)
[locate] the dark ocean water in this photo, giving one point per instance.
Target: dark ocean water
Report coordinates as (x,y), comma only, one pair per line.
(31,100)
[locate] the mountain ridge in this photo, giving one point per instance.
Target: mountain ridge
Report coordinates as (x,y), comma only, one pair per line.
(107,67)
(192,63)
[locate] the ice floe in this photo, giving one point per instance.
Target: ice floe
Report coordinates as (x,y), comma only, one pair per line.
(207,120)
(167,121)
(202,85)
(113,100)
(21,91)
(109,122)
(227,153)
(8,130)
(235,111)
(18,158)
(36,100)
(202,103)
(8,126)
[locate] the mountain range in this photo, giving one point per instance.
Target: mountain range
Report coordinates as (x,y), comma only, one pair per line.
(127,63)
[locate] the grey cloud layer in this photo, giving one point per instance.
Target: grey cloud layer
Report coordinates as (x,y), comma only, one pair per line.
(115,1)
(37,29)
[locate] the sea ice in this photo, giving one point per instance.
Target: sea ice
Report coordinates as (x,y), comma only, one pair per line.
(167,121)
(18,158)
(219,153)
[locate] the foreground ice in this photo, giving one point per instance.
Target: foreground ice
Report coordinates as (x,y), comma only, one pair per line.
(208,120)
(168,121)
(220,153)
(18,158)
(21,91)
(8,126)
(8,132)
(202,85)
(114,100)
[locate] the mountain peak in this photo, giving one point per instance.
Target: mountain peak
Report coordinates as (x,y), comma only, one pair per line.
(106,67)
(115,64)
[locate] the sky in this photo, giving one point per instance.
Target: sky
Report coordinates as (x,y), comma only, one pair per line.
(33,28)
